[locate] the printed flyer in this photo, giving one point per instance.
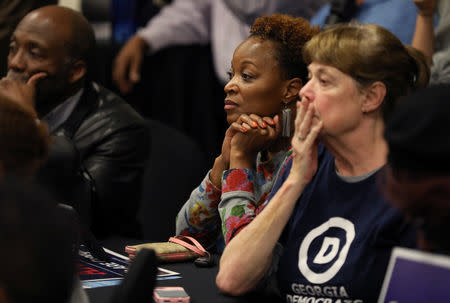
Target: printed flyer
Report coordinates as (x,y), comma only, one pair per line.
(97,273)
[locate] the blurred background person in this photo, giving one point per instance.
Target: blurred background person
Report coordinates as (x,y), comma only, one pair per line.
(24,147)
(417,177)
(398,16)
(39,238)
(434,43)
(327,222)
(265,77)
(225,23)
(24,142)
(38,253)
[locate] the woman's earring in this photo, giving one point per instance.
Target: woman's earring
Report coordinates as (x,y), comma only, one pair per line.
(286,116)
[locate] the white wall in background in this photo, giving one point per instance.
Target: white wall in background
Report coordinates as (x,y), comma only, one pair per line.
(74,4)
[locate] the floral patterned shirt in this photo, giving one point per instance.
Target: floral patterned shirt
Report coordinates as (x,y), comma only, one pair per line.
(211,213)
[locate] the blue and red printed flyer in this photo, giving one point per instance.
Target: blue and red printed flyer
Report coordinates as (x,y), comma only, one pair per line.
(96,273)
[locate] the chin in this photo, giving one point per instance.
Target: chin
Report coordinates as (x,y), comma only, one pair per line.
(232,118)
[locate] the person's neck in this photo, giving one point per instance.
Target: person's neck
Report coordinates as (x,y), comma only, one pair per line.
(70,92)
(46,107)
(280,144)
(360,151)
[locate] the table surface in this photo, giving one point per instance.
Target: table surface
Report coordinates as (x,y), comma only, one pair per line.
(198,282)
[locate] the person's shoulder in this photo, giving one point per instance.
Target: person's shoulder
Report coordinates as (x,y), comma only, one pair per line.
(112,110)
(112,104)
(111,116)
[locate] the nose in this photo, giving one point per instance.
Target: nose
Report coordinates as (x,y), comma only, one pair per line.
(306,92)
(231,86)
(16,61)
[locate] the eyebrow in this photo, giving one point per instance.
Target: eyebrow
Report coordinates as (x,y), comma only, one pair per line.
(245,62)
(248,62)
(320,71)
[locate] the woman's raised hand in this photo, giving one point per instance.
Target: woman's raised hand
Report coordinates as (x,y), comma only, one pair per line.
(222,162)
(305,144)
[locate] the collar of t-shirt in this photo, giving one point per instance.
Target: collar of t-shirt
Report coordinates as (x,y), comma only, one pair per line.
(354,179)
(61,113)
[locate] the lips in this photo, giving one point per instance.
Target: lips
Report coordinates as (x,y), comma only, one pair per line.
(230,104)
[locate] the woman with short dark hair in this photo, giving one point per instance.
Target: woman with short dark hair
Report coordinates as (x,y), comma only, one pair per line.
(266,74)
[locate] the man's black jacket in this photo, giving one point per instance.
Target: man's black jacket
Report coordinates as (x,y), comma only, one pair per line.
(96,162)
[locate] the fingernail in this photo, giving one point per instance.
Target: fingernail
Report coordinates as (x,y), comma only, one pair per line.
(263,124)
(254,124)
(243,129)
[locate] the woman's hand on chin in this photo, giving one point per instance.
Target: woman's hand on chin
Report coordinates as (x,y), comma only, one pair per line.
(252,134)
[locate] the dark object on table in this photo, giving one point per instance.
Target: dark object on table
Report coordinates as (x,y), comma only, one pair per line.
(140,280)
(85,235)
(205,261)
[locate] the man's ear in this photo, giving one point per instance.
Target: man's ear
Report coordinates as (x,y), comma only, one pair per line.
(77,71)
(293,87)
(374,97)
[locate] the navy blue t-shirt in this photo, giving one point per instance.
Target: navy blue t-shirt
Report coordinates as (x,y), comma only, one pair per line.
(338,240)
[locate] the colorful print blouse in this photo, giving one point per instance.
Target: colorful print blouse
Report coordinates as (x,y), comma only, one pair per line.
(211,213)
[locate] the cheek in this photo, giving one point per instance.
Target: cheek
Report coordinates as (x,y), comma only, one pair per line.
(266,102)
(320,107)
(339,117)
(46,69)
(50,67)
(53,84)
(328,112)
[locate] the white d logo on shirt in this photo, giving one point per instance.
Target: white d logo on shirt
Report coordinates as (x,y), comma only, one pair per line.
(330,244)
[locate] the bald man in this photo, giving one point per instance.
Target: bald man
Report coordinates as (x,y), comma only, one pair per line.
(11,12)
(100,143)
